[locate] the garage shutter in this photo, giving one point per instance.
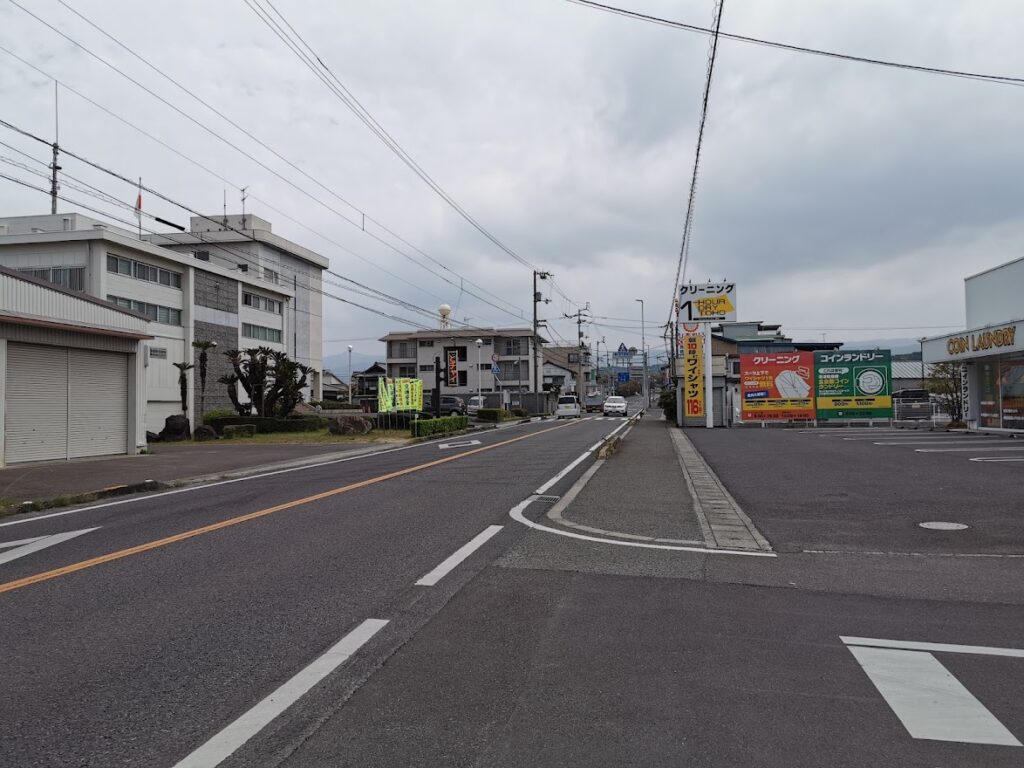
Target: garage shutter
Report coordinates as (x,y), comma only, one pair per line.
(36,423)
(98,413)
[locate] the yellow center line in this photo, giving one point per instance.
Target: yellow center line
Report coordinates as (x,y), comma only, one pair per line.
(10,586)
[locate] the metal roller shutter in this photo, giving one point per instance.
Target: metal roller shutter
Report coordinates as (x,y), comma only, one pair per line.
(98,412)
(36,423)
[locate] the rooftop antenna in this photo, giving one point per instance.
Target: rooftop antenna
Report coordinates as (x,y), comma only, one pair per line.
(244,196)
(224,221)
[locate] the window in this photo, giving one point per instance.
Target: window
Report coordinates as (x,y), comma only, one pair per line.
(72,278)
(261,333)
(461,350)
(270,275)
(158,352)
(403,349)
(485,366)
(426,342)
(407,371)
(462,378)
(511,369)
(155,312)
(119,265)
(265,303)
(426,369)
(514,347)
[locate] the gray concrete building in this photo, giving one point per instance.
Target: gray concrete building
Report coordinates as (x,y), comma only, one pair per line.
(187,293)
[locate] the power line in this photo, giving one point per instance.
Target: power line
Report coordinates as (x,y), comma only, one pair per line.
(213,133)
(998,79)
(684,249)
(334,84)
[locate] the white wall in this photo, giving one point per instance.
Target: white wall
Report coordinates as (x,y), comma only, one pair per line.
(995,296)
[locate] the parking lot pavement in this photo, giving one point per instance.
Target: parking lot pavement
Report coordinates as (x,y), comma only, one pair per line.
(869,489)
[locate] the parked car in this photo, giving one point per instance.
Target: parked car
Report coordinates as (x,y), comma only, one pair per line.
(452,406)
(593,403)
(615,406)
(476,402)
(568,408)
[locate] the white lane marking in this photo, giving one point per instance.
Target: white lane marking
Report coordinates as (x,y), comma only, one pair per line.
(192,488)
(516,513)
(28,546)
(543,489)
(966,450)
(961,441)
(225,743)
(1000,459)
(928,700)
(461,444)
(452,561)
(911,645)
(925,436)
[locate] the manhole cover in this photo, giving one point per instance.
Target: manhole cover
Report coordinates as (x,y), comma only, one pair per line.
(938,526)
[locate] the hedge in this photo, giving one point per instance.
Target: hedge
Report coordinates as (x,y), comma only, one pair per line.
(441,426)
(493,414)
(265,424)
(337,405)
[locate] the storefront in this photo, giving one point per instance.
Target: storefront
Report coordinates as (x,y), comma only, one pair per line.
(991,350)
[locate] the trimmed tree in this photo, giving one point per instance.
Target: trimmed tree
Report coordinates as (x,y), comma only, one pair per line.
(183,369)
(203,347)
(271,381)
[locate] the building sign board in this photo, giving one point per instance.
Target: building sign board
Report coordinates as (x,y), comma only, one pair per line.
(853,384)
(693,376)
(979,342)
(707,302)
(777,386)
(452,368)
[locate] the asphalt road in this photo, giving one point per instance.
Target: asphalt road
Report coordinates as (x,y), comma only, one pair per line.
(388,610)
(139,658)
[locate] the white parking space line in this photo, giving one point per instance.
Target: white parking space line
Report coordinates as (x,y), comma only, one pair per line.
(894,436)
(452,561)
(980,442)
(999,459)
(928,700)
(914,645)
(225,743)
(966,450)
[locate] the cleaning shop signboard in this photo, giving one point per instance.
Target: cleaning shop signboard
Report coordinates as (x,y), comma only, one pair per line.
(777,386)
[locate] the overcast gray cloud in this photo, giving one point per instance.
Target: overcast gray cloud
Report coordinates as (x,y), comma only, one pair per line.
(838,195)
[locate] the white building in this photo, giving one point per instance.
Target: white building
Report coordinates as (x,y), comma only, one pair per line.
(72,373)
(187,295)
(992,348)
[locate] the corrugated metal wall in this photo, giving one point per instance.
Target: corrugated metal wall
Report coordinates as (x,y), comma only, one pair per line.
(19,297)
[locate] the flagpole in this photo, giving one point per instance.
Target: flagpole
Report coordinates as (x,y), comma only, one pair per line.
(138,208)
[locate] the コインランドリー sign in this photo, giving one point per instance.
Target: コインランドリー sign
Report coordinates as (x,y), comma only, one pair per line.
(853,384)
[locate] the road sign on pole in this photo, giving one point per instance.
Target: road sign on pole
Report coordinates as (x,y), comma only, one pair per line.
(623,377)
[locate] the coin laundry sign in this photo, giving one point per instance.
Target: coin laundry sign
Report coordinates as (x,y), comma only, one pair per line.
(853,384)
(982,340)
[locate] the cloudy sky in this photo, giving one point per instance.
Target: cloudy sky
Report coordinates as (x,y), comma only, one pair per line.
(843,198)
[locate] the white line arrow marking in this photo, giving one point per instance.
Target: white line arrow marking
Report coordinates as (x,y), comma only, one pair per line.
(24,547)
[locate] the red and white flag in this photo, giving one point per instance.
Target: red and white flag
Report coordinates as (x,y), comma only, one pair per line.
(138,202)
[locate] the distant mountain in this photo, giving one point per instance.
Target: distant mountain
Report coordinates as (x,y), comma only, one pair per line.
(897,346)
(338,363)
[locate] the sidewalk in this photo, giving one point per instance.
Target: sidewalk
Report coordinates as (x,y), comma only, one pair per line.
(47,483)
(657,488)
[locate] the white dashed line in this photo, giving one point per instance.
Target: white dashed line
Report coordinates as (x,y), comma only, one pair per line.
(453,560)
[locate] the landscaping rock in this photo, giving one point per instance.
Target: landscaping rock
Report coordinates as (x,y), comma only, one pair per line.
(349,425)
(176,428)
(203,433)
(239,430)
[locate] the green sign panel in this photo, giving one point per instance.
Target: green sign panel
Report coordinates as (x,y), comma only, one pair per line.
(853,384)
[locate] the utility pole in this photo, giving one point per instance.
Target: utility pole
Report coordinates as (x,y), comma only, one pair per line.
(579,314)
(54,167)
(537,298)
(643,352)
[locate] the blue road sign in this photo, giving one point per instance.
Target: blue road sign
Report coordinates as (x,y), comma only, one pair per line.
(495,370)
(623,377)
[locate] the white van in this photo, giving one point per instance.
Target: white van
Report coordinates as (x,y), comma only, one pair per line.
(476,402)
(568,407)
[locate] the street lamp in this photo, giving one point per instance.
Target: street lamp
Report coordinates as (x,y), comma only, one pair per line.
(643,351)
(479,395)
(350,374)
(921,342)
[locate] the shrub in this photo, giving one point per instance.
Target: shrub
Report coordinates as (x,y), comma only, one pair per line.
(239,430)
(218,413)
(667,403)
(520,412)
(265,424)
(441,426)
(493,414)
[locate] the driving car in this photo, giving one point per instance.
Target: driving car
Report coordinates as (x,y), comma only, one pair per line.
(568,407)
(615,406)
